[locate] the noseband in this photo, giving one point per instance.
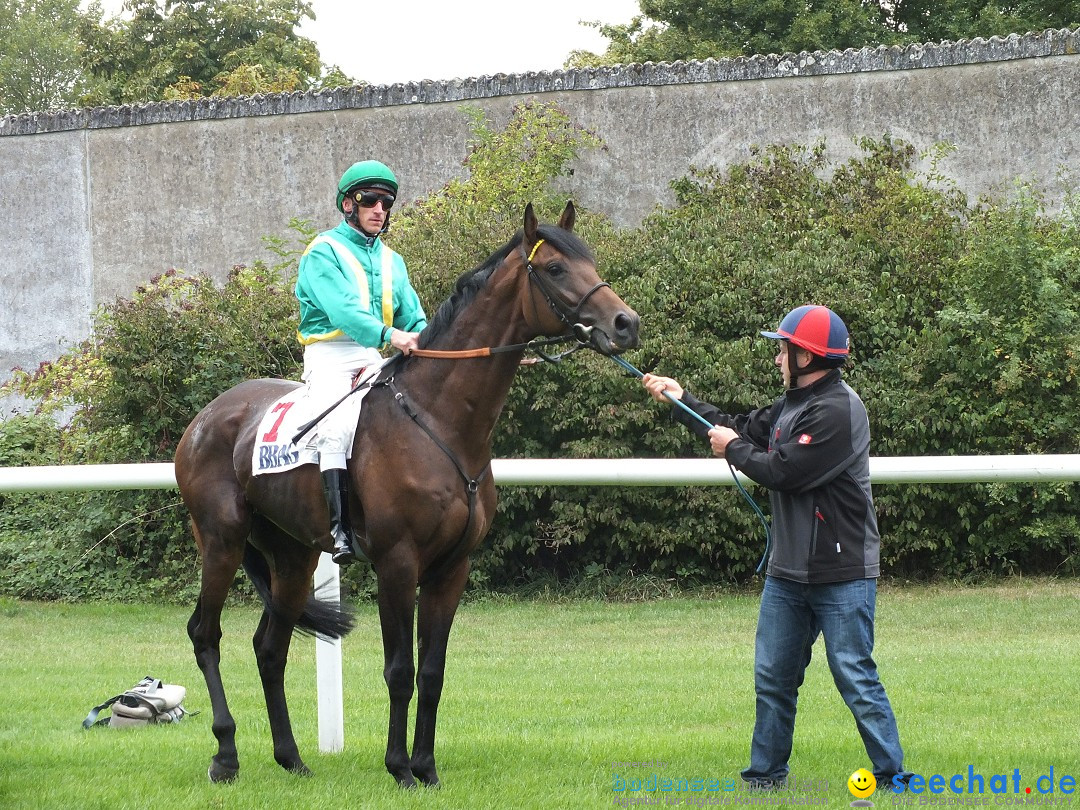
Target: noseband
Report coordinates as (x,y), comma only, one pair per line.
(568,317)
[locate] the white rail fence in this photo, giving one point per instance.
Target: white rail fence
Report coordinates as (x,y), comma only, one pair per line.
(636,472)
(628,472)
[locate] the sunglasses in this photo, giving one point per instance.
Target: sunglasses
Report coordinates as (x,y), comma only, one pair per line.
(368,199)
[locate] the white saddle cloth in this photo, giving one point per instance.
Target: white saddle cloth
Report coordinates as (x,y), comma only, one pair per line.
(274,449)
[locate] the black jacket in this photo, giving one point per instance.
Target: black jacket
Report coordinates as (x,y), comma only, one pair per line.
(811,448)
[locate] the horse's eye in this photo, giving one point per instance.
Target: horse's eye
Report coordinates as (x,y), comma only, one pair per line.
(555,269)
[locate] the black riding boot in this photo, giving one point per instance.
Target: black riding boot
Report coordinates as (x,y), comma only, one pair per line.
(336,487)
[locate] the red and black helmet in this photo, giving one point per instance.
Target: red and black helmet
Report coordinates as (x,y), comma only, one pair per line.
(817,329)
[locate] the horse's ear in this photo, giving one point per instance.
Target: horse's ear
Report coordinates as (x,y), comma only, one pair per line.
(530,225)
(569,214)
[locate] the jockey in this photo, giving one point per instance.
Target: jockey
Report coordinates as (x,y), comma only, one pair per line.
(355,299)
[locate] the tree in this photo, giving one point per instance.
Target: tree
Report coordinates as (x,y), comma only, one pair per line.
(668,30)
(39,54)
(934,20)
(54,55)
(172,49)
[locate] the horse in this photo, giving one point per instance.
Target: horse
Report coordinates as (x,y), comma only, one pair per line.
(422,496)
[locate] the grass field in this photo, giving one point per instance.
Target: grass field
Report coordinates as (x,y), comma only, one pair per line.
(541,699)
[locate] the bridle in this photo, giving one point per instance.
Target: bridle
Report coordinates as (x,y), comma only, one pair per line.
(570,318)
(575,330)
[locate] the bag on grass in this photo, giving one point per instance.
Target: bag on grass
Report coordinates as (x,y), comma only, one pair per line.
(148,701)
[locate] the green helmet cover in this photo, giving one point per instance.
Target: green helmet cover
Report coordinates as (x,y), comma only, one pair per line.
(365,173)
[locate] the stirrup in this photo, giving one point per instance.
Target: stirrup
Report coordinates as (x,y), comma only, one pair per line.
(343,554)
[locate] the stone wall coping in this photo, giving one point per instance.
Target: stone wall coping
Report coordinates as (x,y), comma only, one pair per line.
(1051,42)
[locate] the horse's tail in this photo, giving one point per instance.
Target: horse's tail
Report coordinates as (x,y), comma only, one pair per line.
(320,617)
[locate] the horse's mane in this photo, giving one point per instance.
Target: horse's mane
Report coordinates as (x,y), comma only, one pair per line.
(470,283)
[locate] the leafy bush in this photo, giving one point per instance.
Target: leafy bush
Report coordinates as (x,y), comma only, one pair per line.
(964,321)
(458,227)
(156,359)
(997,373)
(127,394)
(964,343)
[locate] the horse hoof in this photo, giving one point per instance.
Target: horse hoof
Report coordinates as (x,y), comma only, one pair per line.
(222,775)
(427,779)
(300,770)
(406,782)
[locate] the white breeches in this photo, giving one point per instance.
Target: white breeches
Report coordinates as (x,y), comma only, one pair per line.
(329,367)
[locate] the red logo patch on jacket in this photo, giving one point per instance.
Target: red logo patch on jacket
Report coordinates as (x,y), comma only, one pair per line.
(806,438)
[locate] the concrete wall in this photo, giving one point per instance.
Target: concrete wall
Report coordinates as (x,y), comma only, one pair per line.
(95,202)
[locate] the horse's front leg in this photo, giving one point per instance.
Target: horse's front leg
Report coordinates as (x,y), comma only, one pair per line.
(397,601)
(438,604)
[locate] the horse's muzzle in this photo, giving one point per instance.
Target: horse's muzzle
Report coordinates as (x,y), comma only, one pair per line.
(621,334)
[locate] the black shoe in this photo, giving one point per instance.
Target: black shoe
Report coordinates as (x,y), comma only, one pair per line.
(336,487)
(764,783)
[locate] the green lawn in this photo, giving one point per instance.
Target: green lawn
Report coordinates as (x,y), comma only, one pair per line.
(541,700)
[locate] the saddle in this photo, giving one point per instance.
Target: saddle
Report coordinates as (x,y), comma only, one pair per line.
(274,450)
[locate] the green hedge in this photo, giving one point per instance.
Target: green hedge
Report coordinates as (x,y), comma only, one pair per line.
(964,323)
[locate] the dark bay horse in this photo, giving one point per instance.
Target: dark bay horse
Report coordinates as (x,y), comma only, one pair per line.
(422,495)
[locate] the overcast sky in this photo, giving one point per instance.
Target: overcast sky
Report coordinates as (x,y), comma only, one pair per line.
(410,40)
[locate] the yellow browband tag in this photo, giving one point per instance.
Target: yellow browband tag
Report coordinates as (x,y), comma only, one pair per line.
(536,247)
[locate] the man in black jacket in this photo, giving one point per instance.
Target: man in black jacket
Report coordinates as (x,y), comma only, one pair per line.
(811,448)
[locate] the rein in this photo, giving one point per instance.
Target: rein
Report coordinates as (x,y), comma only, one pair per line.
(568,317)
(576,331)
(488,351)
(472,485)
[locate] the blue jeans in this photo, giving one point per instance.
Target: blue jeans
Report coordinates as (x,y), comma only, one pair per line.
(791,617)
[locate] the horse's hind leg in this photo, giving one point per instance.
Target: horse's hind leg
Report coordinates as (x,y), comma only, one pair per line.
(220,562)
(438,604)
(294,565)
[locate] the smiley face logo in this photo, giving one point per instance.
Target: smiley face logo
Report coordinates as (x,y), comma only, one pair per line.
(861,783)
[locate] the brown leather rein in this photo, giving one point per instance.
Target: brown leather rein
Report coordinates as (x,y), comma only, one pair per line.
(487,351)
(451,355)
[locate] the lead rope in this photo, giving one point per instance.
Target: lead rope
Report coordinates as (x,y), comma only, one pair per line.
(761,515)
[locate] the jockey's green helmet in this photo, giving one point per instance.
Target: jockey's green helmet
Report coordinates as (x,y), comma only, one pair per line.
(365,174)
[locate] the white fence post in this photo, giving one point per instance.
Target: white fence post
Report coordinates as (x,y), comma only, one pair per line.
(328,665)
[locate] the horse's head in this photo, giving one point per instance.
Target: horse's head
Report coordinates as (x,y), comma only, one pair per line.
(566,296)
